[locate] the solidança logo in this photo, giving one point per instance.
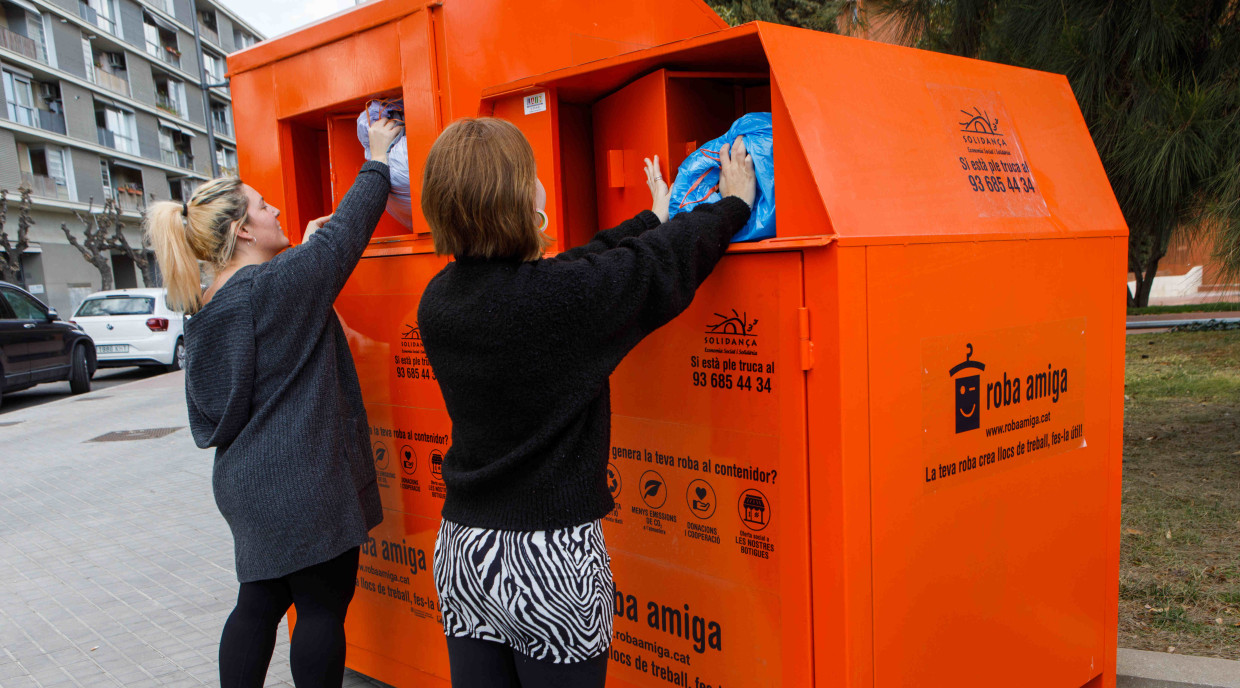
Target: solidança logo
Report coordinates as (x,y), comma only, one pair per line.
(732,330)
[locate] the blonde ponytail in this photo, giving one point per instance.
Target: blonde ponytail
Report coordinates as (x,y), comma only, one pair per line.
(203,229)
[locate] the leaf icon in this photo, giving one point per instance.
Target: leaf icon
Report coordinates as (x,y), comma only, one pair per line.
(652,487)
(380,454)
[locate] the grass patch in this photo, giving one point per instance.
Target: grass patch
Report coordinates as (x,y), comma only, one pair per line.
(1188,308)
(1180,532)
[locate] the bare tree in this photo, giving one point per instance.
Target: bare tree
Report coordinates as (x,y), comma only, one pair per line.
(11,262)
(96,246)
(140,256)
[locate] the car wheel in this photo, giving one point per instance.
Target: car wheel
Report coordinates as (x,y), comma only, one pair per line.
(178,356)
(79,373)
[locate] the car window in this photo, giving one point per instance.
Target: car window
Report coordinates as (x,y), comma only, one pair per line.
(129,305)
(6,313)
(24,307)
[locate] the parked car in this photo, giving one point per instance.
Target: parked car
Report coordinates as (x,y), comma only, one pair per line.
(37,346)
(133,327)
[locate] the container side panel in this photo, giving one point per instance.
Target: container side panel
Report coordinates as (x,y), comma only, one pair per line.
(920,144)
(492,42)
(708,471)
(394,625)
(259,144)
(991,383)
(839,467)
(350,68)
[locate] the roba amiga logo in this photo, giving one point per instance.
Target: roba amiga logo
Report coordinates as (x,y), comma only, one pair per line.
(1010,390)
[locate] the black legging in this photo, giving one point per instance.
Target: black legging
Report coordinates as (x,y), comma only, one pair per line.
(484,664)
(321,594)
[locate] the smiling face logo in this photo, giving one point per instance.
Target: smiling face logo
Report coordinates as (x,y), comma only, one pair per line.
(968,394)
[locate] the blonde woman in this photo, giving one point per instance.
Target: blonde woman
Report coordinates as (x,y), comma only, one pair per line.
(271,385)
(523,347)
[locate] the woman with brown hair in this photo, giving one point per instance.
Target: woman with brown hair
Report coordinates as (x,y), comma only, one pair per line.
(270,384)
(523,347)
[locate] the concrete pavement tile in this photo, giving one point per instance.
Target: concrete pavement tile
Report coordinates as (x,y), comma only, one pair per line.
(12,670)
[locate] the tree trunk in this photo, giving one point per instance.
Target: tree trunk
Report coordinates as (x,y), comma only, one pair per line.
(11,264)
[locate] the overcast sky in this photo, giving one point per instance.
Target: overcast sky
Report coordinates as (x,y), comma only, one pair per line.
(274,17)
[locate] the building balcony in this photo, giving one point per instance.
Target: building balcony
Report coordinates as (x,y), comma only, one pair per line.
(208,33)
(46,187)
(10,40)
(112,82)
(52,121)
(221,129)
(129,198)
(177,158)
(168,105)
(89,14)
(164,54)
(228,171)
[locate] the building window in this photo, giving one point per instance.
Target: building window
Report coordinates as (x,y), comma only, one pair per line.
(33,103)
(43,169)
(207,26)
(241,39)
(221,119)
(101,13)
(181,188)
(161,39)
(122,184)
(107,69)
(226,158)
(19,97)
(169,94)
(174,146)
(22,32)
(117,129)
(214,66)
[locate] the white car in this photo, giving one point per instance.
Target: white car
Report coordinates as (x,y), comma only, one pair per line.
(133,327)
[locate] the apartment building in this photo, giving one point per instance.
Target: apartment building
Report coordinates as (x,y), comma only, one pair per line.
(103,99)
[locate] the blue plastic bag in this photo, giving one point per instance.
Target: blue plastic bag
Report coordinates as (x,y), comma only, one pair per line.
(400,202)
(697,180)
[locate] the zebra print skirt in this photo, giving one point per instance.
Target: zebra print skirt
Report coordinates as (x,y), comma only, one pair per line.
(546,594)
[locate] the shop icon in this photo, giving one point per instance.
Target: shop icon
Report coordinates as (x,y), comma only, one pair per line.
(755,509)
(408,460)
(381,455)
(968,394)
(437,464)
(613,480)
(654,490)
(701,499)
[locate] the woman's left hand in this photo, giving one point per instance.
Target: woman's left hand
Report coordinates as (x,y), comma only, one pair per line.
(314,226)
(659,191)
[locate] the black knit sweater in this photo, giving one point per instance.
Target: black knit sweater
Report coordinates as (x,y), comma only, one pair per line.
(523,352)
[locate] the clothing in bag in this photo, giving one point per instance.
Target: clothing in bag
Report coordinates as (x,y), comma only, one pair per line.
(697,180)
(400,201)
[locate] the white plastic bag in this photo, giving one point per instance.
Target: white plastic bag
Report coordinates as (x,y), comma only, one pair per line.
(400,201)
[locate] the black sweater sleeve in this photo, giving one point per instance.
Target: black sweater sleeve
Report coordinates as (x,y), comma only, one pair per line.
(645,281)
(324,262)
(610,238)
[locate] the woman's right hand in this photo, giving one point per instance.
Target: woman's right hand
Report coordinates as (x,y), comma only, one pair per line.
(383,132)
(736,175)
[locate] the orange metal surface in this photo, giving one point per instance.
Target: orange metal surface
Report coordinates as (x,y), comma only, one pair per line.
(811,490)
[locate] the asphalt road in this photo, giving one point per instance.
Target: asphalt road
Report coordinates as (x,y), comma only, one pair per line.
(54,391)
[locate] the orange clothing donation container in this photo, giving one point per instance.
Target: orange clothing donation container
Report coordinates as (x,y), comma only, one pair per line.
(879,449)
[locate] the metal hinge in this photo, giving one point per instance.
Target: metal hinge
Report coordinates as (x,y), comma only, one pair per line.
(807,347)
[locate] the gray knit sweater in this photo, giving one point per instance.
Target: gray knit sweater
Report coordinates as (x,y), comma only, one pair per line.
(271,385)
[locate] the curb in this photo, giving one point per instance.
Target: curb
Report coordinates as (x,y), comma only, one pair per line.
(1143,669)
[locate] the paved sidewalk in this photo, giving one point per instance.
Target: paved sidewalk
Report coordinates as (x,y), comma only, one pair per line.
(116,569)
